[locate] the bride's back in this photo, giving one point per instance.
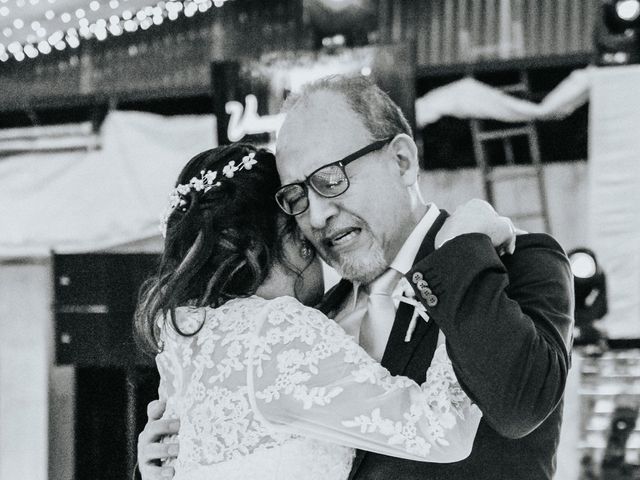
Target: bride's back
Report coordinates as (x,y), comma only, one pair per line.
(204,383)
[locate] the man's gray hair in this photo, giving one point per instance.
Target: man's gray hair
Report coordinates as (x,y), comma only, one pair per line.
(379,114)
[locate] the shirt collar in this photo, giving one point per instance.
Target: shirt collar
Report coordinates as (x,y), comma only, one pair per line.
(407,254)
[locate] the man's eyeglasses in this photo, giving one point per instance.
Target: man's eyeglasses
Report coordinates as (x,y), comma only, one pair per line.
(327,181)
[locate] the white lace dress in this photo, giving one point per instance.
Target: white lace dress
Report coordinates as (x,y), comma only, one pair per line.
(271,389)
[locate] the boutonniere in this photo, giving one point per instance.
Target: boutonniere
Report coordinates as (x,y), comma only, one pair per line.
(404,293)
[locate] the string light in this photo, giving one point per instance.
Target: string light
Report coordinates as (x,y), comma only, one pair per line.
(42,42)
(30,51)
(44,47)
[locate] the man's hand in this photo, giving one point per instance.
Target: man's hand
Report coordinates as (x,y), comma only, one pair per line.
(477,216)
(150,450)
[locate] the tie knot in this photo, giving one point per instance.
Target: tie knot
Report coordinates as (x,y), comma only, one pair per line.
(385,283)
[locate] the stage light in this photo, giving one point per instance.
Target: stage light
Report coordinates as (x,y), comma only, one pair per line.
(614,464)
(590,296)
(354,19)
(628,10)
(617,32)
(590,286)
(583,265)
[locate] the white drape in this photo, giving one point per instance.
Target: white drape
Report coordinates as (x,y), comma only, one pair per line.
(614,192)
(82,201)
(613,209)
(469,98)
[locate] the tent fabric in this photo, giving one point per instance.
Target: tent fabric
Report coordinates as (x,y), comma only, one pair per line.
(614,192)
(74,202)
(469,98)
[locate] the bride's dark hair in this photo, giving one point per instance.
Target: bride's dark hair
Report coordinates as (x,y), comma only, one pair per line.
(220,244)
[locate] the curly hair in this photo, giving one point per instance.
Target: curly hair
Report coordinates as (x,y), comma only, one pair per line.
(220,245)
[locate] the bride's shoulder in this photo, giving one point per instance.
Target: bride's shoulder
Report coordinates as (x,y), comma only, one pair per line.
(289,310)
(192,320)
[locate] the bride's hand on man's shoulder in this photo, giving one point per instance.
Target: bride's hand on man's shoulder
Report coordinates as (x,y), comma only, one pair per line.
(150,448)
(478,216)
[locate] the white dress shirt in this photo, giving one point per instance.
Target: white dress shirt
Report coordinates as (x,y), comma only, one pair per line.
(350,315)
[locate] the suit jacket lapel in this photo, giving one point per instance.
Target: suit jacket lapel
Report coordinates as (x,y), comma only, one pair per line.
(398,353)
(428,244)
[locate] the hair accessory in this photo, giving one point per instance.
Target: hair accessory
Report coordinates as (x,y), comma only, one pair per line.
(206,182)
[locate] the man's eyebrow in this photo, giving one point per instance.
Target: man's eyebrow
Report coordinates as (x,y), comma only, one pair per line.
(302,180)
(296,180)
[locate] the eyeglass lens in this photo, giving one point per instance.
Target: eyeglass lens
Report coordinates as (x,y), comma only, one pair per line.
(328,182)
(293,199)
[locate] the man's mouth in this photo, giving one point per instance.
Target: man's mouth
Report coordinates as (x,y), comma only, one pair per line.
(341,237)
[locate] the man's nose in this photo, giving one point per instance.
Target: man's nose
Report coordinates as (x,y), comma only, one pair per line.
(320,209)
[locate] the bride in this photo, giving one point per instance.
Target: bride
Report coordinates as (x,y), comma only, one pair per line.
(263,385)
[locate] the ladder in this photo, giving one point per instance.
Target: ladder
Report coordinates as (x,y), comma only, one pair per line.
(532,171)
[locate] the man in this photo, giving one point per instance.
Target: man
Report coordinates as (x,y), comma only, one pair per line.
(507,320)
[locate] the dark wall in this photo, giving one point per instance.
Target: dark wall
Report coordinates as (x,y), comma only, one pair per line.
(95,297)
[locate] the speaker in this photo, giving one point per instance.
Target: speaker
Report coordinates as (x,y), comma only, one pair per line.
(95,299)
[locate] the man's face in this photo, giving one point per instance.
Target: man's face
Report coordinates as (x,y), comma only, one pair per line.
(359,232)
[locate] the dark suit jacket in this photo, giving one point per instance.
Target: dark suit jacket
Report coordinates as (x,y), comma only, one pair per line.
(508,323)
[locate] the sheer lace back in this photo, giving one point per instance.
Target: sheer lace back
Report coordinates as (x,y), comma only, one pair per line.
(203,380)
(261,373)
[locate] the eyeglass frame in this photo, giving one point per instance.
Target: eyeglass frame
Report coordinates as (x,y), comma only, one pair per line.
(342,163)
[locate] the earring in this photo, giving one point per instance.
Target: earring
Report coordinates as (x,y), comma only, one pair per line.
(305,250)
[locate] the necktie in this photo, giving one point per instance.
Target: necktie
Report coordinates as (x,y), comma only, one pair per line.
(381,311)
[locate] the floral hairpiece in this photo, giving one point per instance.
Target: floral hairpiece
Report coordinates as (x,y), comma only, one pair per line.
(206,182)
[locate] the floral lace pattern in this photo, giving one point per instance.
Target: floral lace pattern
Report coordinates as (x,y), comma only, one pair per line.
(203,379)
(261,373)
(304,347)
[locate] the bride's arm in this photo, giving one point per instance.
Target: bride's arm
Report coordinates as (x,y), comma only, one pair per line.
(308,377)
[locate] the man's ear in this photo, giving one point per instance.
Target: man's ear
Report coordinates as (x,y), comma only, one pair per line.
(405,152)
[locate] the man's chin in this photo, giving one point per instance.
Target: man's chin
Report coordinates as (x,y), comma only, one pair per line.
(358,271)
(350,265)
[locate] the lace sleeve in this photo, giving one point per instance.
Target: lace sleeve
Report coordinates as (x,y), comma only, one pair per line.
(306,376)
